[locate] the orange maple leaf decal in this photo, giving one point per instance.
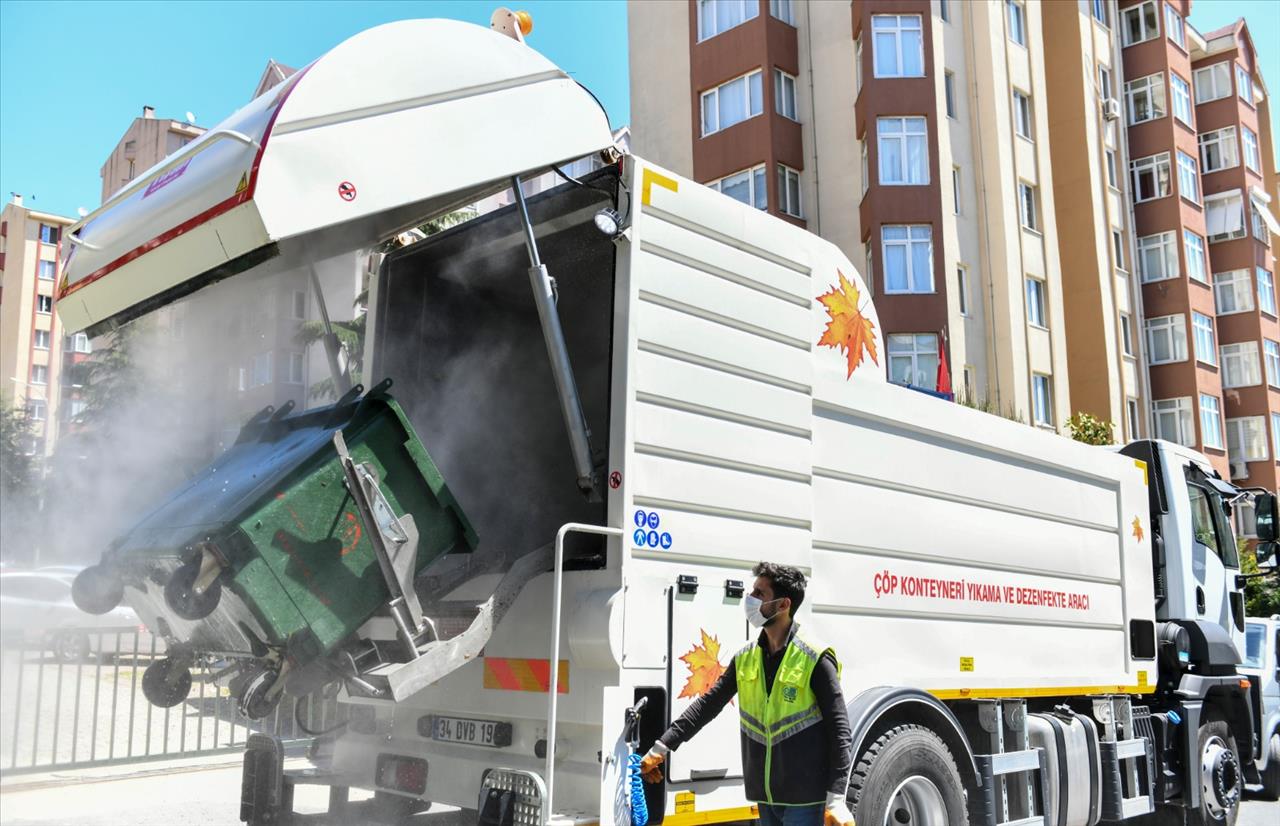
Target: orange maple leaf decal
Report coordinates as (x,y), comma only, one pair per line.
(848,330)
(704,666)
(1137,529)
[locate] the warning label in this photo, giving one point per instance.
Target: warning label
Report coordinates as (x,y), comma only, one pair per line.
(888,583)
(244,183)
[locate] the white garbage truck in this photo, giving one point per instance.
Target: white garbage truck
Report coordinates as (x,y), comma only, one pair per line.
(638,388)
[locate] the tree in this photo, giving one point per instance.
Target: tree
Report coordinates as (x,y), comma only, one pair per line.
(1091,430)
(19,480)
(351,334)
(1261,595)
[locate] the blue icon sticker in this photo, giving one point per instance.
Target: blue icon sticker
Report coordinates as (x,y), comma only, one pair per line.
(652,539)
(665,541)
(653,520)
(638,537)
(641,519)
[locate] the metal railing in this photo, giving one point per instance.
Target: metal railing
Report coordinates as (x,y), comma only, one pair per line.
(79,703)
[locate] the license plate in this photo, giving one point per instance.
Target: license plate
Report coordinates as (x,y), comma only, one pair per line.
(490,733)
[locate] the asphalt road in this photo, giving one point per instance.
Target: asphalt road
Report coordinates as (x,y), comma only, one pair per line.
(210,798)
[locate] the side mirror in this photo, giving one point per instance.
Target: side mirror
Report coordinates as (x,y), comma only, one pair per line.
(1264,509)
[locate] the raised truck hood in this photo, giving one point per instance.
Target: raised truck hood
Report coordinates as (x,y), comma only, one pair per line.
(391,127)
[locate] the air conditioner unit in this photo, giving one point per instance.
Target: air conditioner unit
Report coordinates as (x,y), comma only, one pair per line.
(1239,470)
(1111,109)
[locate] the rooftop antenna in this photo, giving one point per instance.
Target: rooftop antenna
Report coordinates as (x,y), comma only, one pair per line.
(191,118)
(81,211)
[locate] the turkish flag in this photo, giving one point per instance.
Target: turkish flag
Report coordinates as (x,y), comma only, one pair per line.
(944,375)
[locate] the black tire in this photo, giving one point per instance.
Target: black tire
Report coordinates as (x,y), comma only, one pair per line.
(182,599)
(906,758)
(1218,731)
(70,646)
(166,683)
(97,590)
(1271,776)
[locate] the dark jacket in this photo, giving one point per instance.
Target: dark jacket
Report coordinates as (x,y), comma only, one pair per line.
(804,767)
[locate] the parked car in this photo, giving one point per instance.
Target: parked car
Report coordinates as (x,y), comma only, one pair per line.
(36,610)
(1262,660)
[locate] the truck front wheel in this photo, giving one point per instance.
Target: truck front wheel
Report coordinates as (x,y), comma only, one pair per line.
(1219,775)
(907,777)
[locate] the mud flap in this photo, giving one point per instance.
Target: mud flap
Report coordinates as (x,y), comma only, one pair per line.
(264,798)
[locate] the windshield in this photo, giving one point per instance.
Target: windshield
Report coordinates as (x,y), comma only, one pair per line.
(1255,634)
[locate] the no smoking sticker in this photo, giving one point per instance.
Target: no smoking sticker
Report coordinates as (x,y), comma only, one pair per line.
(347,191)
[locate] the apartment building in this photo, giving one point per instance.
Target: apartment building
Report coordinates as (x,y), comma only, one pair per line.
(33,350)
(146,142)
(912,134)
(1200,159)
(1102,306)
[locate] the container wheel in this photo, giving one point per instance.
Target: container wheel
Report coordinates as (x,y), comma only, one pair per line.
(70,646)
(1271,776)
(97,590)
(166,682)
(258,700)
(180,593)
(907,777)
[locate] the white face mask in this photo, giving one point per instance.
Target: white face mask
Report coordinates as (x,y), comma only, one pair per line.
(751,607)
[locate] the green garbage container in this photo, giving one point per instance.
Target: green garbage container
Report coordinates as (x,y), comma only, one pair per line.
(296,572)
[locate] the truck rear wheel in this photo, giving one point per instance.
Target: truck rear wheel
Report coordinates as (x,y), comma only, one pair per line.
(1271,776)
(907,777)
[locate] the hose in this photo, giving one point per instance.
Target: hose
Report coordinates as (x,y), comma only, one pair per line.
(639,808)
(297,719)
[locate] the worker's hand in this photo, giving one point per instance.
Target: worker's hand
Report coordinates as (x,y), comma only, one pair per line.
(649,765)
(838,813)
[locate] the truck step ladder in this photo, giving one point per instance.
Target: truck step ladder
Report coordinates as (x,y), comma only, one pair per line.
(1012,775)
(1128,758)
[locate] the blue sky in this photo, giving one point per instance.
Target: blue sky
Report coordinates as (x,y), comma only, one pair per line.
(73,75)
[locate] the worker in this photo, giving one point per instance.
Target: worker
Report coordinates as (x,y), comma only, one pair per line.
(789,703)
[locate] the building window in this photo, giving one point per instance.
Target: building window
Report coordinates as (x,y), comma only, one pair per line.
(1271,355)
(1022,114)
(1131,406)
(717,16)
(78,343)
(1232,292)
(1193,247)
(784,94)
(1174,422)
(1173,25)
(1100,12)
(1111,169)
(1150,177)
(1157,257)
(955,189)
(37,411)
(1140,23)
(1275,434)
(904,151)
(731,103)
(1145,97)
(898,44)
(1035,302)
(1252,159)
(869,253)
(1117,247)
(1211,421)
(1017,21)
(39,374)
(1028,206)
(260,370)
(47,270)
(41,340)
(1240,365)
(1167,339)
(1042,400)
(908,258)
(949,88)
(962,287)
(1244,84)
(782,9)
(913,359)
(866,168)
(789,192)
(1266,291)
(944,10)
(1260,230)
(50,234)
(1188,177)
(1247,439)
(1182,109)
(1104,82)
(44,304)
(1126,334)
(857,66)
(295,368)
(1224,216)
(299,305)
(1218,149)
(1206,341)
(747,186)
(1212,82)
